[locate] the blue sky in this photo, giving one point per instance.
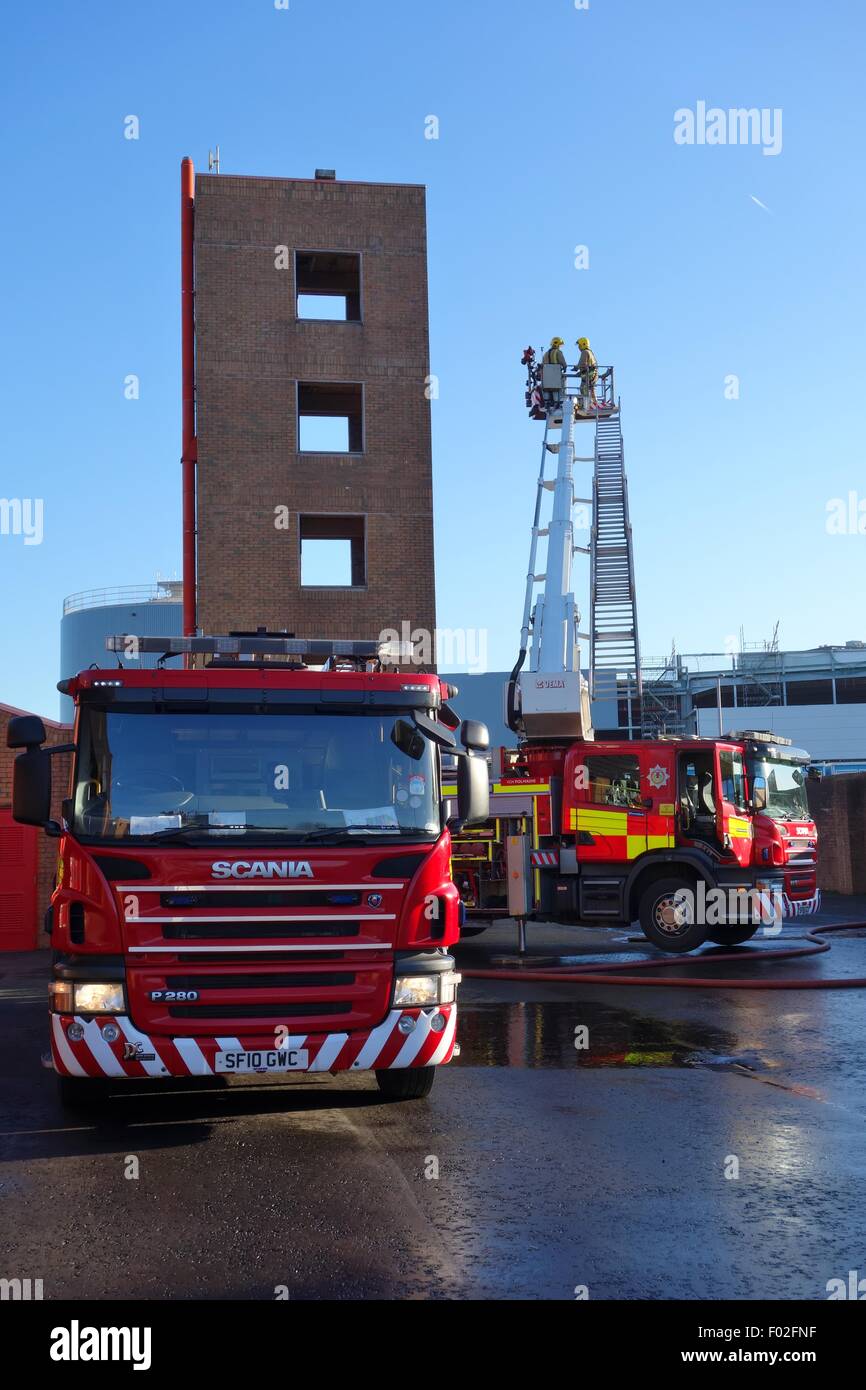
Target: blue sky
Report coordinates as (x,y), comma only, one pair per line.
(555,130)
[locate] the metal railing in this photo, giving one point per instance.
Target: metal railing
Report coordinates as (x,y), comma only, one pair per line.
(605,393)
(570,383)
(164,591)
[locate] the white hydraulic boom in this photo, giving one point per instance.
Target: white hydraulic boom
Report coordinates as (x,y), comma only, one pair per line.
(552,698)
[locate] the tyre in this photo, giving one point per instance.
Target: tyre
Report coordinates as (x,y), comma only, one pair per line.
(406,1083)
(471,931)
(732,936)
(667,915)
(81,1092)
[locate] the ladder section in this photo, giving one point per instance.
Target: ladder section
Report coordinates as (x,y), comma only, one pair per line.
(614,645)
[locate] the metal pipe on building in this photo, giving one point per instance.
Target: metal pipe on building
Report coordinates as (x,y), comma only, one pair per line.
(189,451)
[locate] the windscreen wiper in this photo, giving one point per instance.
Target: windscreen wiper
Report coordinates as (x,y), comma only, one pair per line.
(176,831)
(352,832)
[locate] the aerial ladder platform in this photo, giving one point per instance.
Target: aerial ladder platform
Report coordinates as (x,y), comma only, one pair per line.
(552,698)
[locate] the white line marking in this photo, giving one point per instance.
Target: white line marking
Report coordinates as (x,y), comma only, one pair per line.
(375,1042)
(414,1042)
(277,885)
(273,917)
(67,1056)
(446,1040)
(329,1051)
(131,1033)
(192,1056)
(99,1049)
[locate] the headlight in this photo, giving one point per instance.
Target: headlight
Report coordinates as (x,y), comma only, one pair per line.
(410,990)
(420,991)
(99,999)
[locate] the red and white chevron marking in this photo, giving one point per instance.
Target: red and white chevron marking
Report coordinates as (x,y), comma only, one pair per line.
(379,1048)
(544,858)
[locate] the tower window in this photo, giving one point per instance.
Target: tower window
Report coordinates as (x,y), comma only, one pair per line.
(330,417)
(333,552)
(328,285)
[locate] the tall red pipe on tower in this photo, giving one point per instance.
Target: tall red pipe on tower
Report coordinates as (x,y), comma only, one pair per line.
(189,452)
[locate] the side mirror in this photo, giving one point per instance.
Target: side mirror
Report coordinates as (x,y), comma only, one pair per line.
(25,731)
(474,735)
(759,793)
(31,785)
(473,790)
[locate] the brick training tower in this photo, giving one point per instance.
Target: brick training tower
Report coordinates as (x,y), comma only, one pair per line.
(313,480)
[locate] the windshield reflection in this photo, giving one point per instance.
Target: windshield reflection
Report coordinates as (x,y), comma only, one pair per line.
(145,775)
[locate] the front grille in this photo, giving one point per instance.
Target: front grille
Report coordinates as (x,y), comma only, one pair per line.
(196,930)
(280,981)
(216,897)
(243,1010)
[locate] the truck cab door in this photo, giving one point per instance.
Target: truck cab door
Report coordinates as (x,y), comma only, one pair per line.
(733,818)
(658,793)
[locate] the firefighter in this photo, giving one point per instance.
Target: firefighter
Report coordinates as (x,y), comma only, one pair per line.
(555,357)
(588,370)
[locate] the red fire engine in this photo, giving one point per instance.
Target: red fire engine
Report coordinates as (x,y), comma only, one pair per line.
(696,838)
(254,865)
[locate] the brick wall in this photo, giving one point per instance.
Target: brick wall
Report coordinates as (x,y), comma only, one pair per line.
(838,804)
(61,769)
(251,350)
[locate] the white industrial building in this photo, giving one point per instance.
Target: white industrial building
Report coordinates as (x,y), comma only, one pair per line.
(815,698)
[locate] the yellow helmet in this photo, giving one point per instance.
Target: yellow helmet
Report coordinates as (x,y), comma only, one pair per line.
(583,343)
(557,342)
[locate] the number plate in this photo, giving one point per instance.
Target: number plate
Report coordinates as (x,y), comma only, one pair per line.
(268,1059)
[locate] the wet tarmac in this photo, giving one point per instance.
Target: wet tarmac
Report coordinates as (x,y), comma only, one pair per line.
(638,1143)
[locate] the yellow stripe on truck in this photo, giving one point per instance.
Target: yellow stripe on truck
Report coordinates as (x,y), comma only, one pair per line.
(660,841)
(739,826)
(509,789)
(599,822)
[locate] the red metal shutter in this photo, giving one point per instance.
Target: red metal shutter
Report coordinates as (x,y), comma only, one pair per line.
(18,888)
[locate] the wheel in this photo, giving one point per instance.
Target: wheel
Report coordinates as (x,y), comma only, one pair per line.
(471,931)
(406,1083)
(81,1092)
(732,936)
(667,915)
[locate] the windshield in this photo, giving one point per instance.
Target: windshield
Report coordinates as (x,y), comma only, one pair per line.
(186,775)
(786,788)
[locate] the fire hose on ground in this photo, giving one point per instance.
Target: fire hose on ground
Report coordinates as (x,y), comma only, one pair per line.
(604,974)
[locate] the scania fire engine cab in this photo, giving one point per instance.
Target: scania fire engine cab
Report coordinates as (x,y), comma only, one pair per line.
(253,864)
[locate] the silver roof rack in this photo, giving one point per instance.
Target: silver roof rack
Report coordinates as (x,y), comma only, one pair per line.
(759,736)
(261,644)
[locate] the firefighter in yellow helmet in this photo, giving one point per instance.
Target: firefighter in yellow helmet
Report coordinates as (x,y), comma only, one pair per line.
(555,357)
(587,368)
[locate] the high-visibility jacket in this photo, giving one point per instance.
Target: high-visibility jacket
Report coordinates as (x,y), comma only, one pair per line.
(587,365)
(554,357)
